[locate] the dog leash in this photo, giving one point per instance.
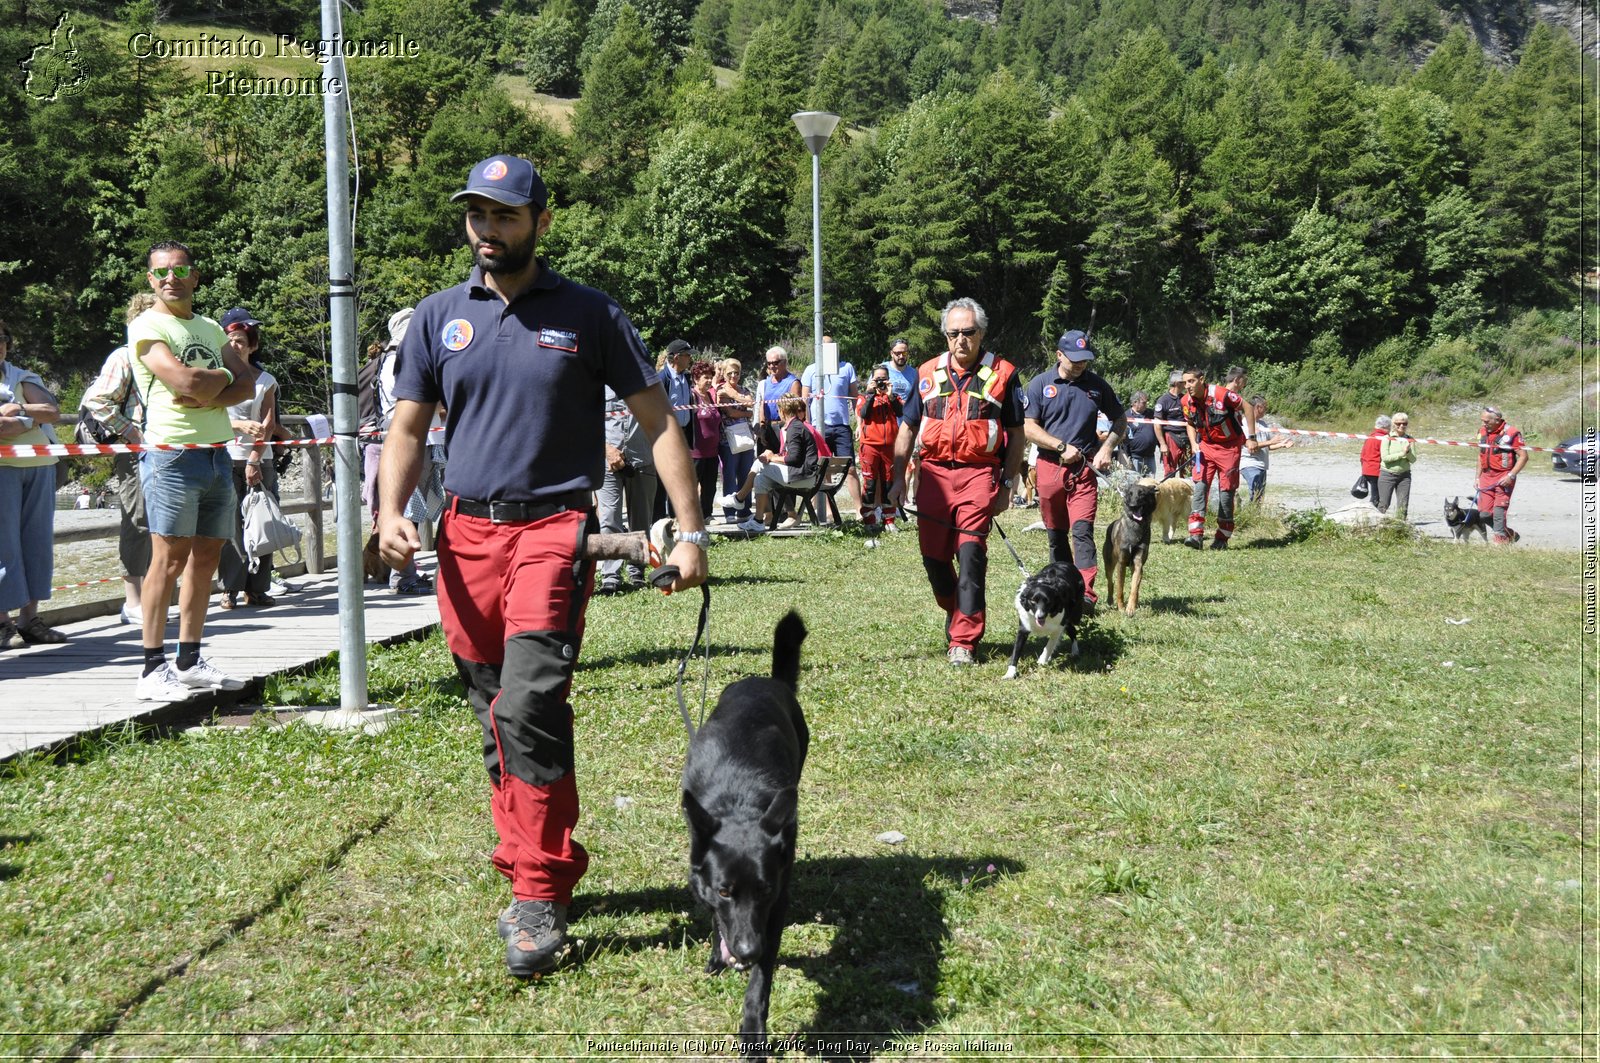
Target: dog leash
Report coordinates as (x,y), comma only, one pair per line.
(662,579)
(977,531)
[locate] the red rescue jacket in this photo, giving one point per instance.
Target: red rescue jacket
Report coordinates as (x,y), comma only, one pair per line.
(1217,424)
(1497,451)
(963,424)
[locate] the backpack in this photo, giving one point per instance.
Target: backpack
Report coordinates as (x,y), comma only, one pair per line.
(367,392)
(92,430)
(266,531)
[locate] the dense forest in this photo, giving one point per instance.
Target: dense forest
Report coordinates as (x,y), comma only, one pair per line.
(1351,195)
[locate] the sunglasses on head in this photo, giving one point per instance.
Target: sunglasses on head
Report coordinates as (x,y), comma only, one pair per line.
(165,272)
(954,332)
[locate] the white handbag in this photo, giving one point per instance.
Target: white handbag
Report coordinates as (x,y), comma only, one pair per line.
(738,436)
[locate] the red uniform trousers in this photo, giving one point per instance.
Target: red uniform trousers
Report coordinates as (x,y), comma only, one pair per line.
(1172,448)
(511,601)
(1494,500)
(877,473)
(1069,498)
(1220,463)
(953,503)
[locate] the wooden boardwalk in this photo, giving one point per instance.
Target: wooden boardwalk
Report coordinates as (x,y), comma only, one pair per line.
(50,695)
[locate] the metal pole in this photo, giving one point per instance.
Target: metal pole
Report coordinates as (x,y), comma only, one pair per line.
(816,276)
(342,319)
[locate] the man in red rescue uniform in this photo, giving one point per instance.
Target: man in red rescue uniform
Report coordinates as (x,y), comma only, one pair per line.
(1501,455)
(878,413)
(521,358)
(967,416)
(1212,415)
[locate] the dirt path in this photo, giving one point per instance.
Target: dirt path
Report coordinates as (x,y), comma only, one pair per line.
(1547,510)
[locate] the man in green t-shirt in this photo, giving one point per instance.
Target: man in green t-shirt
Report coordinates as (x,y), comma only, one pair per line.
(188,373)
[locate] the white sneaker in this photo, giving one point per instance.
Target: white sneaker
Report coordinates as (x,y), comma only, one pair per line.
(162,685)
(894,527)
(130,614)
(752,526)
(278,588)
(205,676)
(730,502)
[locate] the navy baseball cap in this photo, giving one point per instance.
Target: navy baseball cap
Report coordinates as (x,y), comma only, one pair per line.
(238,316)
(677,347)
(1075,345)
(506,179)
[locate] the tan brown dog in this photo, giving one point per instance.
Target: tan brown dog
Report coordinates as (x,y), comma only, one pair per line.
(1127,544)
(1173,497)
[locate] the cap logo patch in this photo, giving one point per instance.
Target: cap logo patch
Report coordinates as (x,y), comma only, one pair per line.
(494,171)
(1082,342)
(457,334)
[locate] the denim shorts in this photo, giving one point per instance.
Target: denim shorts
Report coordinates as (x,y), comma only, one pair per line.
(189,492)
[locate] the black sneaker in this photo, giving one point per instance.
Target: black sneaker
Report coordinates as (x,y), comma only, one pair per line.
(1194,542)
(609,585)
(535,934)
(1089,605)
(1219,544)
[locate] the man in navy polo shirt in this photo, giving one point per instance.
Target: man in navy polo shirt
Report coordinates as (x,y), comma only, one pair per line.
(521,357)
(1059,414)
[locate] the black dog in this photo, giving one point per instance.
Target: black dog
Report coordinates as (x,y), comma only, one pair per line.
(1464,521)
(1050,602)
(740,788)
(1128,544)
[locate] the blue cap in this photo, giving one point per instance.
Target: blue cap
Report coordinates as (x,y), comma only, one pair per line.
(506,179)
(238,316)
(1075,345)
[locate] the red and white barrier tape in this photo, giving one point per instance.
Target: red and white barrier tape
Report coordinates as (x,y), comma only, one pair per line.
(1280,430)
(88,583)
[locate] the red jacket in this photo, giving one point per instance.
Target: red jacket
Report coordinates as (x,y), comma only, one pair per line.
(1371,456)
(1500,453)
(963,425)
(1218,425)
(879,416)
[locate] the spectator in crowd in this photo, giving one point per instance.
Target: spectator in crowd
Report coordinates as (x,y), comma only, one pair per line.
(629,482)
(255,424)
(1173,435)
(673,368)
(1141,442)
(1501,456)
(114,402)
(1372,458)
(1253,459)
(83,501)
(707,428)
(189,372)
(831,402)
(737,406)
(1061,411)
(878,413)
(903,378)
(27,503)
(793,466)
(406,581)
(1396,454)
(1212,416)
(514,353)
(778,383)
(966,401)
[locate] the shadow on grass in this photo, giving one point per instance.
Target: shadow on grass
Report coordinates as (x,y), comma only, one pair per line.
(1181,606)
(9,870)
(880,973)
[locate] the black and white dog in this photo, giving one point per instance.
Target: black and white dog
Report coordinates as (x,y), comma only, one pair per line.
(1050,602)
(741,784)
(1464,521)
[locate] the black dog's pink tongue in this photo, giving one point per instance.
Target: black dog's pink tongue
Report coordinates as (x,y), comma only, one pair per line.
(727,953)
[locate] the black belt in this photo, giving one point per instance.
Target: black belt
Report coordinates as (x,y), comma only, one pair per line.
(520,512)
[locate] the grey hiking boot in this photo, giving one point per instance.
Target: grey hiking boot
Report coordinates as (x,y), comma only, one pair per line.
(535,934)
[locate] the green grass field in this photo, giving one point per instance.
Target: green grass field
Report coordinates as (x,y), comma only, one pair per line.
(1324,797)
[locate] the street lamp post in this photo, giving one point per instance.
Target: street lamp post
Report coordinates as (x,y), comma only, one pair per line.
(815,129)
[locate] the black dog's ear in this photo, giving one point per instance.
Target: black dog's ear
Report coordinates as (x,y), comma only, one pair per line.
(780,810)
(702,824)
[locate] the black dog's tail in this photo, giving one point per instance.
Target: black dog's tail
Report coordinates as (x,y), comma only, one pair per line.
(786,640)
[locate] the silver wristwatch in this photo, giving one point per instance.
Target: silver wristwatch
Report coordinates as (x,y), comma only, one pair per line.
(698,538)
(27,422)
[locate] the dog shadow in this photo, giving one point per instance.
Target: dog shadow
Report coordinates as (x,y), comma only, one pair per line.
(1176,605)
(881,971)
(9,870)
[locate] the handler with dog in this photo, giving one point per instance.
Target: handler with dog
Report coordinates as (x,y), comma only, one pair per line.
(1212,415)
(521,357)
(1059,417)
(1501,455)
(966,412)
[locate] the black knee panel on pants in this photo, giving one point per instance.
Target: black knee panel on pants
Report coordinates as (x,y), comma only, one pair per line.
(531,717)
(974,559)
(1060,546)
(1083,544)
(941,577)
(483,684)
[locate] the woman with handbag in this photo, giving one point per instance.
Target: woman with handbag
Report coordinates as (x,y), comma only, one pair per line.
(738,448)
(255,423)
